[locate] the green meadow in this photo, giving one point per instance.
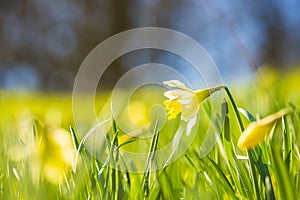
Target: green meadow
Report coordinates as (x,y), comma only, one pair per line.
(43,155)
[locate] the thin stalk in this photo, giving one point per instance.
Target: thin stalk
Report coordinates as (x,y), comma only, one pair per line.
(150,158)
(111,171)
(237,114)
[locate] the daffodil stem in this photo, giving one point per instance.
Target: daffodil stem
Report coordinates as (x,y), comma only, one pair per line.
(237,114)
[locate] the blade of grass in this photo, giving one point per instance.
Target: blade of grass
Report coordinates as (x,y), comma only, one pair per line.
(263,171)
(282,177)
(150,158)
(247,114)
(74,138)
(111,171)
(287,144)
(251,158)
(223,178)
(226,127)
(244,178)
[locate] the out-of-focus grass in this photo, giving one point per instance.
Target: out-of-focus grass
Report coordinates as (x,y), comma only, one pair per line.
(35,141)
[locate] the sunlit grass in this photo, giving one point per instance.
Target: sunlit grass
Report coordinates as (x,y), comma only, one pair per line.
(38,150)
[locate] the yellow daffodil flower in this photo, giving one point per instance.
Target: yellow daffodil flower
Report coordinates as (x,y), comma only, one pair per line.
(257,131)
(184,100)
(49,151)
(138,114)
(54,154)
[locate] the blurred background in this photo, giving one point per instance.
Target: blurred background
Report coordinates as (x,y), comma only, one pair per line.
(43,43)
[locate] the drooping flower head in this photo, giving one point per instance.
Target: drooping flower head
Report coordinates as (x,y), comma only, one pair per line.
(257,131)
(184,100)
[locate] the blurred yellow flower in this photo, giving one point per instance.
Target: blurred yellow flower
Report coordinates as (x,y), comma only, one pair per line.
(53,155)
(184,100)
(138,113)
(257,131)
(50,151)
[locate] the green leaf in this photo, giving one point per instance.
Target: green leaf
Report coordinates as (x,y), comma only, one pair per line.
(74,138)
(245,178)
(227,129)
(224,107)
(287,144)
(151,154)
(282,177)
(222,178)
(127,142)
(247,114)
(262,170)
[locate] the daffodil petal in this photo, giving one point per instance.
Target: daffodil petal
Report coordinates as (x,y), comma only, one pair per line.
(178,94)
(185,101)
(177,84)
(191,123)
(190,110)
(171,94)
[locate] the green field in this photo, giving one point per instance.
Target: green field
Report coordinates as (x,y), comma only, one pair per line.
(40,143)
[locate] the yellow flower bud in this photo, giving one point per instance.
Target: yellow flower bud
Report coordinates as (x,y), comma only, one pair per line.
(257,131)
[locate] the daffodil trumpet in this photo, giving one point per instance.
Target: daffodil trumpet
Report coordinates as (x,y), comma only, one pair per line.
(185,100)
(257,131)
